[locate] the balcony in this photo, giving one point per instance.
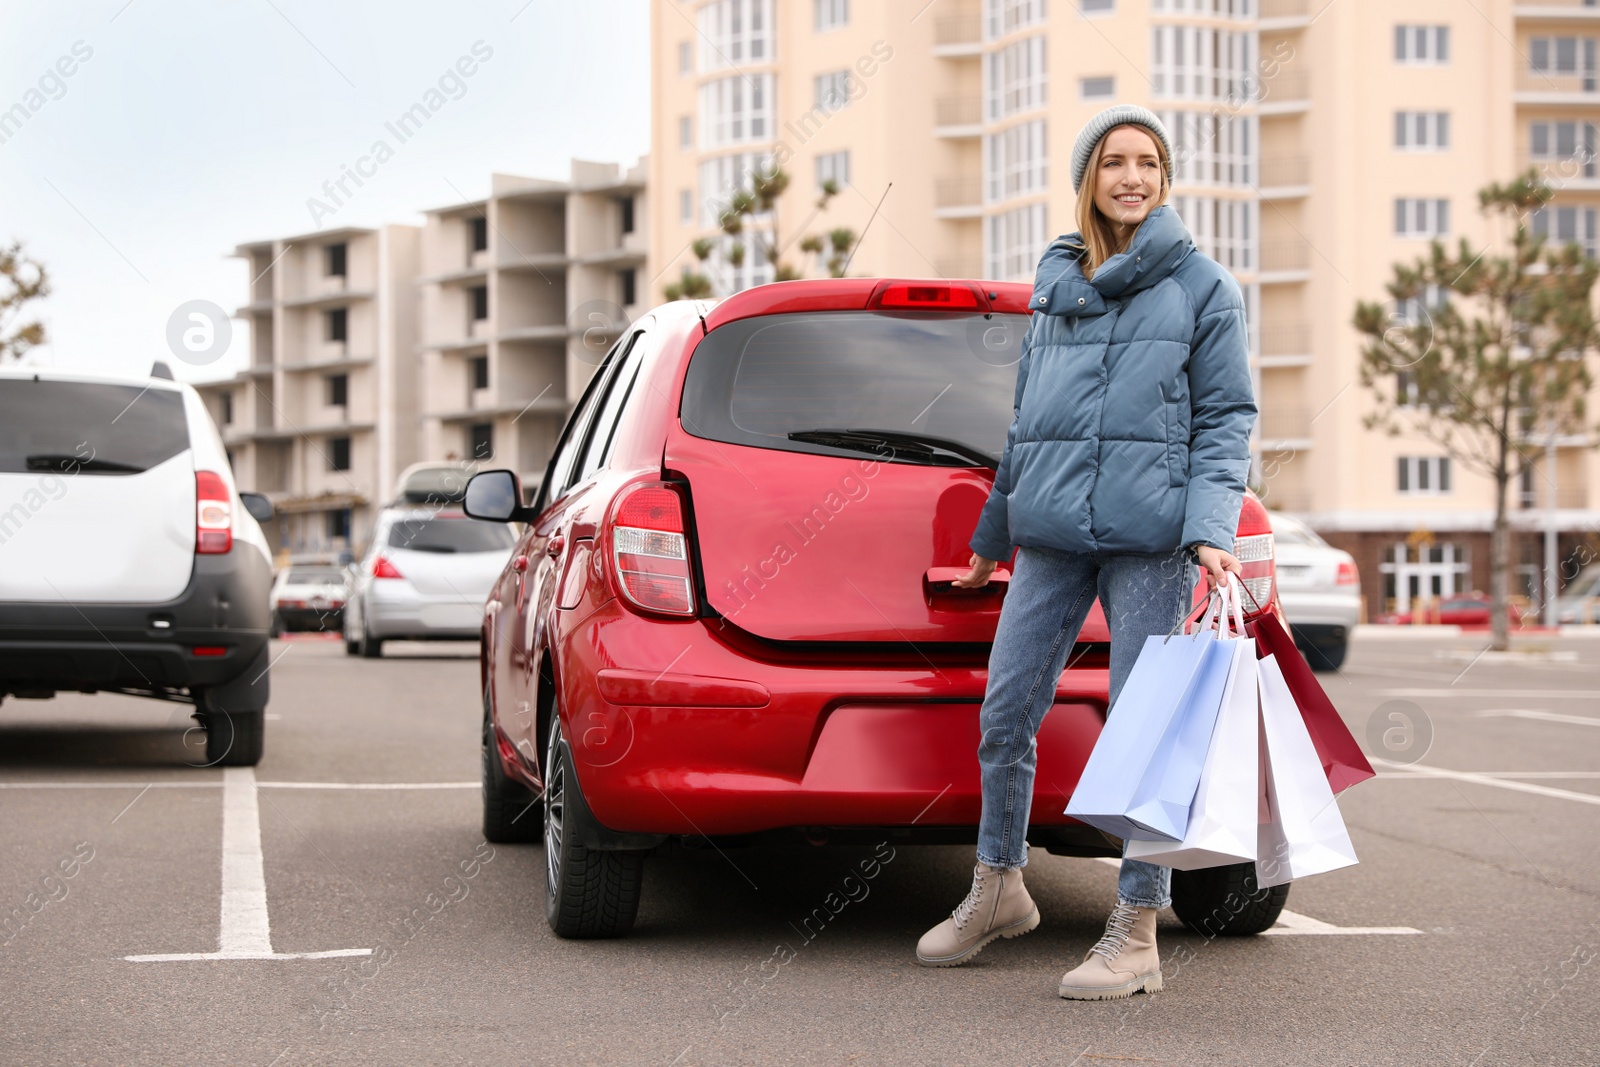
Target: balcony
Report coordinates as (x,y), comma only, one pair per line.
(958,116)
(1285,261)
(1567,497)
(1574,173)
(958,35)
(958,198)
(1286,499)
(1283,177)
(1285,11)
(1287,91)
(1286,344)
(1556,9)
(1284,429)
(1557,87)
(959,266)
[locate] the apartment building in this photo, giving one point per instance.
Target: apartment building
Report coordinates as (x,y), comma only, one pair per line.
(1317,144)
(321,420)
(521,294)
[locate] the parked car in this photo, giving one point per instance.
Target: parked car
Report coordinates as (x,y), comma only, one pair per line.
(1320,591)
(1580,603)
(308,596)
(424,577)
(129,561)
(730,614)
(1466,609)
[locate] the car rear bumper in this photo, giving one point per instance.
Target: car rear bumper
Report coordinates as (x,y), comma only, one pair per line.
(86,646)
(1307,608)
(677,730)
(396,610)
(310,618)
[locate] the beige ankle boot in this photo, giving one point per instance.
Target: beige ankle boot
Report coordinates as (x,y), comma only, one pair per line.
(1123,962)
(997,905)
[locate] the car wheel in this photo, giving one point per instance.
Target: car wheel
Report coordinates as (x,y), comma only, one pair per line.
(588,893)
(1225,901)
(276,629)
(370,647)
(1327,657)
(511,813)
(351,648)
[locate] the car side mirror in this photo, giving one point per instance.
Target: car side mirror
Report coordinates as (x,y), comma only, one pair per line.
(496,496)
(257,504)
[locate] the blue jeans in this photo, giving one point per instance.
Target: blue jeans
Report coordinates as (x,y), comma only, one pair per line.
(1050,594)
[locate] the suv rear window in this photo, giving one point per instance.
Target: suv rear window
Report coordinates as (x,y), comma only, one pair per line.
(298,577)
(430,534)
(950,377)
(88,427)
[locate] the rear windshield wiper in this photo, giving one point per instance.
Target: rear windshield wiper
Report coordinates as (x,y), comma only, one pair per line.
(62,463)
(877,440)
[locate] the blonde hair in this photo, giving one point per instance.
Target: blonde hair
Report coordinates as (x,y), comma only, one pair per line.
(1098,232)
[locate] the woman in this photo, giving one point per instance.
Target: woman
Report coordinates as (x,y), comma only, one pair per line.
(1124,466)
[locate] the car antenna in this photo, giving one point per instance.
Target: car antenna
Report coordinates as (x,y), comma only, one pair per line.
(865,228)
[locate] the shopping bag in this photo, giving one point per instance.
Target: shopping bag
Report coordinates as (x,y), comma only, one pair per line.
(1303,833)
(1223,819)
(1342,759)
(1141,776)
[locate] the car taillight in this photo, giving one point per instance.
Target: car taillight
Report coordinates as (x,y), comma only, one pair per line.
(1253,547)
(213,514)
(649,551)
(927,296)
(382,568)
(1348,575)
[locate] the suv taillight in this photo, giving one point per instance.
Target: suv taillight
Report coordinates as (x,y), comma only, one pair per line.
(382,568)
(1347,575)
(213,514)
(649,552)
(1253,547)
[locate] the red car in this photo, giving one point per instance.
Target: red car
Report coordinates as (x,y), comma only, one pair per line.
(730,615)
(1466,609)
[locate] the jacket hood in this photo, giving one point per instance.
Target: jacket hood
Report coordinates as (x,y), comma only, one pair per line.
(1160,243)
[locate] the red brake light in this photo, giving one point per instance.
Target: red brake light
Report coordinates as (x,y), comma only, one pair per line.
(382,568)
(1348,575)
(209,650)
(927,296)
(1253,546)
(649,551)
(213,514)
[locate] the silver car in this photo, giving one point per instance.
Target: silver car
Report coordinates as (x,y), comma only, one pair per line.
(1580,603)
(1320,590)
(425,576)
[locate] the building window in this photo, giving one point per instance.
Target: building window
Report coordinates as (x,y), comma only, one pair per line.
(736,110)
(1013,242)
(832,90)
(1422,130)
(685,132)
(625,213)
(1014,162)
(733,32)
(1227,9)
(1014,79)
(480,371)
(723,176)
(1097,7)
(833,167)
(1422,475)
(1567,225)
(1422,44)
(1200,63)
(337,323)
(1001,17)
(1223,229)
(1416,309)
(1563,56)
(480,443)
(338,453)
(479,295)
(1564,141)
(686,206)
(629,283)
(729,277)
(685,58)
(227,409)
(479,228)
(831,14)
(1212,147)
(1421,217)
(1103,87)
(334,259)
(336,523)
(337,389)
(1405,389)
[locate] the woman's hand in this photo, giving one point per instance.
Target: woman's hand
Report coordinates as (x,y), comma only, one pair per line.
(979,575)
(1217,563)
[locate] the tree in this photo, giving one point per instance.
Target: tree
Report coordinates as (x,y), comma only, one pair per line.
(1500,358)
(22,279)
(692,284)
(767,187)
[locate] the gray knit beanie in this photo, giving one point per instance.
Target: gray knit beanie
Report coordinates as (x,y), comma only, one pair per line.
(1104,123)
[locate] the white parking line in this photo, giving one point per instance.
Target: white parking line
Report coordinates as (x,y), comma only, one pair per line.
(214,783)
(1541,714)
(1293,924)
(1419,770)
(1544,694)
(245,932)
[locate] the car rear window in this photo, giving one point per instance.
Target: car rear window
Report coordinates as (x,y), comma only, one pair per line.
(951,377)
(88,427)
(315,578)
(431,534)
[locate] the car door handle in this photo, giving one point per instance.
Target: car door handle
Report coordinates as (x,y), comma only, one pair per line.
(555,545)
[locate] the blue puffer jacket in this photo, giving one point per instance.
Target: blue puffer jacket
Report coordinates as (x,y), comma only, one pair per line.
(1133,407)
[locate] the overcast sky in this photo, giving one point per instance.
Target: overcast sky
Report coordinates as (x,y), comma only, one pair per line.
(187,127)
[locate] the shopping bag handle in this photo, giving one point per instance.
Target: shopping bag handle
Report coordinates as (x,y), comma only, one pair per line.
(1194,614)
(1230,588)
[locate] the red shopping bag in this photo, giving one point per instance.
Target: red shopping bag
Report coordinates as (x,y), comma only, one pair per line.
(1342,758)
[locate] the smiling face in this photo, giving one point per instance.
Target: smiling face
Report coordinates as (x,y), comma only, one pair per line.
(1127,177)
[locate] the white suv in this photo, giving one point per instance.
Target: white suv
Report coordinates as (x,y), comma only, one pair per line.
(129,563)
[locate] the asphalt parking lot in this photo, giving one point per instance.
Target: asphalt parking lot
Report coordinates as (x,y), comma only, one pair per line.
(391,933)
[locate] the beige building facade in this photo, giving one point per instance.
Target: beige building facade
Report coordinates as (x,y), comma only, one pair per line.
(1317,144)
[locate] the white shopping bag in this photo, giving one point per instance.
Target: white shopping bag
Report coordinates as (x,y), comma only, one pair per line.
(1224,817)
(1302,832)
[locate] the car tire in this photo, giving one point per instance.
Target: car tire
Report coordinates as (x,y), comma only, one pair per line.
(511,814)
(1327,657)
(1225,901)
(351,648)
(234,738)
(588,893)
(369,647)
(276,630)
